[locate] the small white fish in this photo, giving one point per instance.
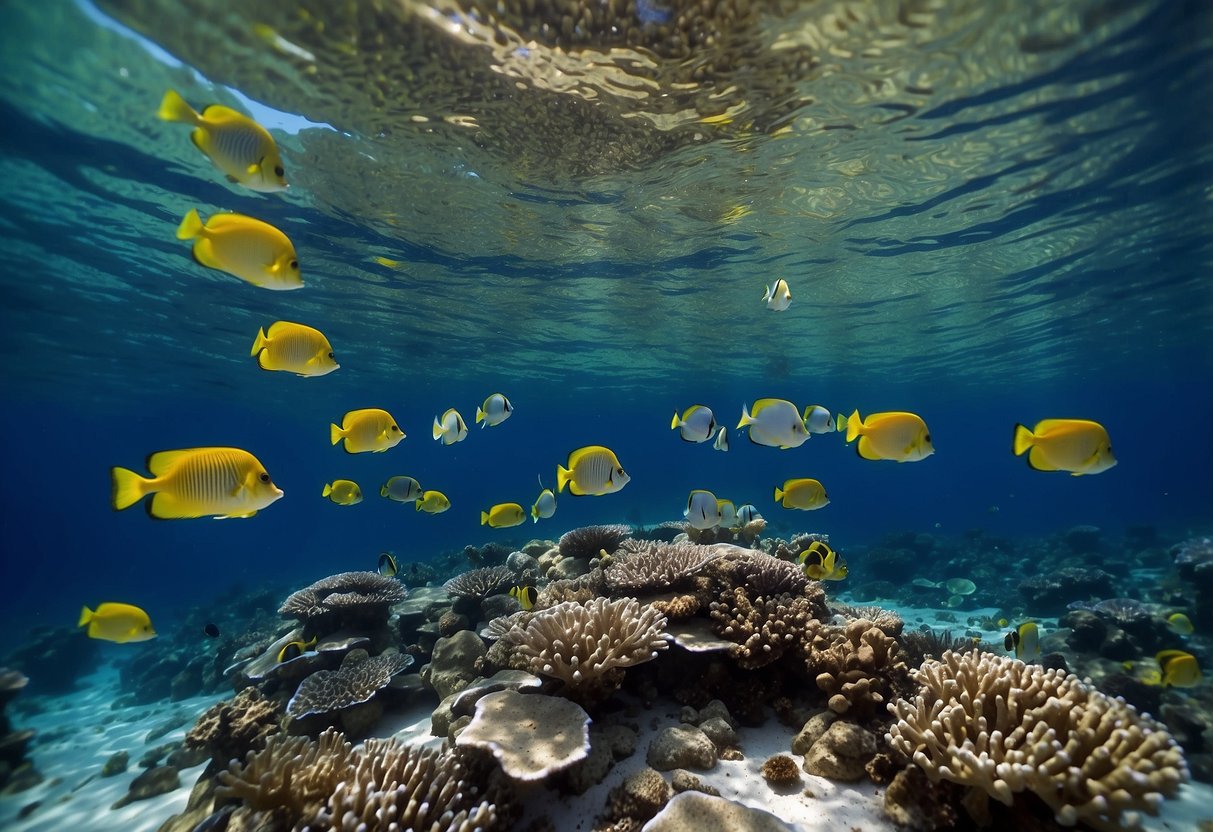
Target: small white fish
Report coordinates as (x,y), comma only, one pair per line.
(747,514)
(778,297)
(696,424)
(722,439)
(776,423)
(702,511)
(495,410)
(450,428)
(818,420)
(728,513)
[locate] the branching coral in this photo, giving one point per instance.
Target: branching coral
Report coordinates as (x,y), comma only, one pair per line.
(480,583)
(889,622)
(582,643)
(651,566)
(589,541)
(1001,726)
(365,594)
(295,775)
(854,665)
(358,679)
(762,628)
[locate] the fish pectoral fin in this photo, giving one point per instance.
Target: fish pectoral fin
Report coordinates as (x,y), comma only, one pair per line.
(235,516)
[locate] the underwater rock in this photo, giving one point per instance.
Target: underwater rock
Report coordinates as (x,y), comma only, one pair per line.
(1083,539)
(913,801)
(681,746)
(639,797)
(116,764)
(719,732)
(1194,562)
(1087,630)
(841,753)
(230,730)
(608,745)
(15,773)
(814,727)
(684,781)
(452,666)
(705,813)
(54,659)
(155,781)
(1049,594)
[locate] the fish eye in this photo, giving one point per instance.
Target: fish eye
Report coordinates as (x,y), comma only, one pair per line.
(294,264)
(331,355)
(928,437)
(278,171)
(395,428)
(264,477)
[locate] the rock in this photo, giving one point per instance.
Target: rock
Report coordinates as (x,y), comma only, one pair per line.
(116,764)
(719,732)
(154,755)
(704,813)
(452,622)
(717,709)
(166,727)
(569,568)
(187,683)
(182,758)
(681,746)
(639,797)
(841,753)
(453,664)
(683,781)
(1118,646)
(1087,630)
(154,781)
(520,562)
(621,739)
(593,769)
(1049,594)
(812,731)
(1083,539)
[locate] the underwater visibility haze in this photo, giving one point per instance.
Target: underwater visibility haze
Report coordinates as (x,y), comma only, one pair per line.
(987,214)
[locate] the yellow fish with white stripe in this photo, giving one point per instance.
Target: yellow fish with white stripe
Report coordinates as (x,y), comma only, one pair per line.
(778,296)
(899,436)
(367,430)
(294,348)
(119,623)
(503,516)
(703,510)
(247,248)
(592,471)
(450,428)
(197,482)
(237,145)
(1079,446)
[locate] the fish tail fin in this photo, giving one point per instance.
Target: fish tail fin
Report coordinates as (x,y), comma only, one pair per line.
(778,494)
(86,615)
(328,489)
(191,226)
(767,292)
(260,342)
(127,489)
(675,422)
(535,513)
(174,108)
(480,414)
(1024,439)
(484,518)
(417,505)
(563,476)
(854,426)
(438,431)
(335,434)
(746,418)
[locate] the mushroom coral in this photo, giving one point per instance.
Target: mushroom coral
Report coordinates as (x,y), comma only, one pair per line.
(480,583)
(346,595)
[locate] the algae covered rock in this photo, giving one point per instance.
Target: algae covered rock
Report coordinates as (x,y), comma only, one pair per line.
(681,746)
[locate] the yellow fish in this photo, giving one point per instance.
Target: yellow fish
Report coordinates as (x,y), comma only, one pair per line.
(343,492)
(495,410)
(1025,641)
(901,437)
(197,482)
(237,145)
(829,567)
(249,249)
(120,623)
(295,649)
(294,348)
(1180,623)
(370,429)
(450,428)
(503,516)
(1179,669)
(433,502)
(526,595)
(592,470)
(1075,445)
(696,424)
(805,494)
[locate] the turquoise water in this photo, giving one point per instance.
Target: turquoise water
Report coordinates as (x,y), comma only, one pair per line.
(987,213)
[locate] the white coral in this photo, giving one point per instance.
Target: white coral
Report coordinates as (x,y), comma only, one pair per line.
(1002,727)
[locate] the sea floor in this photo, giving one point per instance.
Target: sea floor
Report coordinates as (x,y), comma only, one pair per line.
(78,733)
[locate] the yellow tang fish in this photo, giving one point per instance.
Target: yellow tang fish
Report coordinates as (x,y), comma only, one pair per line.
(238,146)
(450,428)
(197,482)
(120,623)
(1179,669)
(830,565)
(295,649)
(526,595)
(593,471)
(401,489)
(249,249)
(805,494)
(368,430)
(901,437)
(1075,445)
(503,516)
(294,348)
(495,410)
(1180,623)
(776,423)
(433,502)
(1025,641)
(343,492)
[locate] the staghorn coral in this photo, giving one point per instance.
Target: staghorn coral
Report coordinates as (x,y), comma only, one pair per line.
(1001,727)
(363,595)
(855,665)
(357,680)
(230,730)
(889,622)
(589,541)
(588,644)
(763,629)
(651,566)
(294,775)
(478,584)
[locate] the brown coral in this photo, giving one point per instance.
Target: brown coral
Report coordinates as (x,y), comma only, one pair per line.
(480,583)
(889,622)
(855,666)
(589,541)
(781,770)
(651,566)
(230,730)
(762,628)
(358,679)
(352,594)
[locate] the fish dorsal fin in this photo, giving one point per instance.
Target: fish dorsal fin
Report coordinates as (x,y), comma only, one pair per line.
(161,462)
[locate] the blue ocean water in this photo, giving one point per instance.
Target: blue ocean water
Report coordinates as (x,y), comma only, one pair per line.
(1030,238)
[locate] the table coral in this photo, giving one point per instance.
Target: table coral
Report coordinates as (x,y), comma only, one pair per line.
(480,583)
(652,566)
(531,736)
(344,597)
(589,541)
(358,679)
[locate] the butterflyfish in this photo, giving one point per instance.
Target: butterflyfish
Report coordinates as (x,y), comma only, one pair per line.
(294,348)
(450,428)
(295,649)
(818,420)
(1025,641)
(243,247)
(829,565)
(777,296)
(1079,446)
(119,623)
(237,145)
(776,423)
(899,436)
(369,430)
(591,471)
(702,511)
(545,505)
(1180,623)
(722,439)
(495,410)
(747,514)
(728,513)
(503,516)
(1179,669)
(197,482)
(526,595)
(342,492)
(696,424)
(401,489)
(433,502)
(388,567)
(804,493)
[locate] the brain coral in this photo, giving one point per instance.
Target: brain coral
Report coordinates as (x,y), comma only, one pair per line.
(1001,726)
(480,583)
(651,566)
(347,592)
(358,679)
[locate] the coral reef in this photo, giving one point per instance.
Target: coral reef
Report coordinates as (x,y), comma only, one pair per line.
(347,599)
(887,621)
(780,770)
(531,736)
(650,566)
(760,573)
(357,680)
(478,584)
(231,729)
(1001,727)
(762,628)
(589,541)
(856,666)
